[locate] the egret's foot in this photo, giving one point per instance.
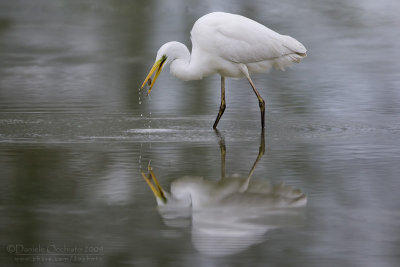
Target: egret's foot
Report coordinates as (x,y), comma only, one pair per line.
(221,111)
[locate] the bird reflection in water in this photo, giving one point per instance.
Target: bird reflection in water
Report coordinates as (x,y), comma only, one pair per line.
(231,214)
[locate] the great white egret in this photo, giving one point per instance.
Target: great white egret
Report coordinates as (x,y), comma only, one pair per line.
(232,46)
(229,214)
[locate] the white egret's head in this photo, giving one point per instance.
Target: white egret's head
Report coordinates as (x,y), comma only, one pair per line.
(165,55)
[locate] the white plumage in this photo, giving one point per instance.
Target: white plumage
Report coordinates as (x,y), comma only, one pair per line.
(232,46)
(233,39)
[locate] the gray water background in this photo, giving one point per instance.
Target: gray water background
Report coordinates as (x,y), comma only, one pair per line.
(75,132)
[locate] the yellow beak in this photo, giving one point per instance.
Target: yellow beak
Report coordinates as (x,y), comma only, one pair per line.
(158,191)
(158,65)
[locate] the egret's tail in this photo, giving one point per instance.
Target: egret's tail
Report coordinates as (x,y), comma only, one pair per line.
(287,60)
(297,52)
(294,45)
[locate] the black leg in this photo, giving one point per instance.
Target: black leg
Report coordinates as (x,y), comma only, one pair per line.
(261,102)
(223,105)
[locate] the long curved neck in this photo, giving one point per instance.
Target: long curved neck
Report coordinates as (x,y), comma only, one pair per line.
(184,66)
